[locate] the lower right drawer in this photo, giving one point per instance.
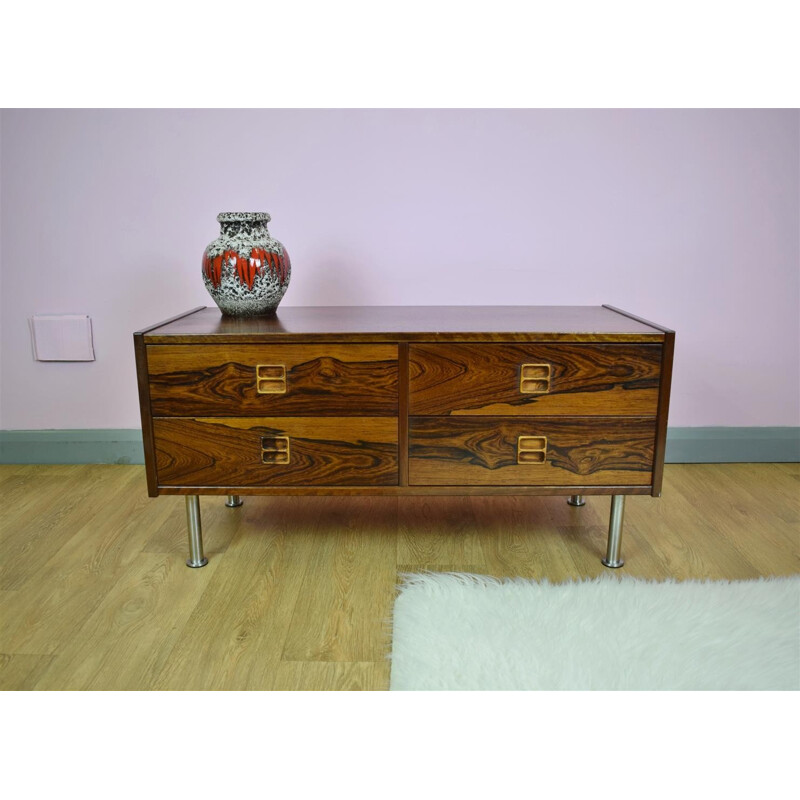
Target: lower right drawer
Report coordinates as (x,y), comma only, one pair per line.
(525,451)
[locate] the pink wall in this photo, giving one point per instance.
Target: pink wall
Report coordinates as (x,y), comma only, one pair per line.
(690,218)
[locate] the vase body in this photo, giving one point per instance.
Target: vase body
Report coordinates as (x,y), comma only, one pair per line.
(245,270)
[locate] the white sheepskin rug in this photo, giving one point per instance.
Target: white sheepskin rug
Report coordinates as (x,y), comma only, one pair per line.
(455,631)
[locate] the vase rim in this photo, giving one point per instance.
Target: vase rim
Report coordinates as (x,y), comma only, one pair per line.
(243,216)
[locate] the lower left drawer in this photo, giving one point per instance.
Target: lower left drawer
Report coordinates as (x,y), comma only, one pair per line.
(276,451)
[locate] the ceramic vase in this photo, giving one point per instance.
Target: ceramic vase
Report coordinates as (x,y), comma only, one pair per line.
(245,270)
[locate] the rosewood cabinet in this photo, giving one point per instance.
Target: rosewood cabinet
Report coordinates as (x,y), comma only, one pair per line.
(546,400)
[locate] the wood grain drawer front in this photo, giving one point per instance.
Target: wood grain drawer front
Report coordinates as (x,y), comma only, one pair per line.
(547,451)
(276,451)
(512,379)
(269,380)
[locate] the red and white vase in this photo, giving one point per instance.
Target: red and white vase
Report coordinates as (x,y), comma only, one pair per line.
(245,270)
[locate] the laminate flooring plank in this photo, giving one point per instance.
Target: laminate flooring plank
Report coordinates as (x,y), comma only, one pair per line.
(435,530)
(557,511)
(684,540)
(26,487)
(235,635)
(518,539)
(33,472)
(347,591)
(94,557)
(220,525)
(127,640)
(21,672)
(640,550)
(39,524)
(8,471)
(299,590)
(788,467)
(752,523)
(332,676)
(589,543)
(582,531)
(762,494)
(474,569)
(760,524)
(9,605)
(15,479)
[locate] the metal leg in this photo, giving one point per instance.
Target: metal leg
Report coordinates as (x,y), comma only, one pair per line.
(196,557)
(612,558)
(233,501)
(576,500)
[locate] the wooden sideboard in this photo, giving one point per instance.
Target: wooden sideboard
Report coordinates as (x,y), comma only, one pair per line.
(393,400)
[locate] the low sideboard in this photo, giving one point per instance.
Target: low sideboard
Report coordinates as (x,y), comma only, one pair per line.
(394,400)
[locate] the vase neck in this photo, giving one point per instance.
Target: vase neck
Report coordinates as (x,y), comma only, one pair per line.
(239,228)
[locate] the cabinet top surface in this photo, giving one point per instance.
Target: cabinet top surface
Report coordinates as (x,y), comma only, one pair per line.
(409,323)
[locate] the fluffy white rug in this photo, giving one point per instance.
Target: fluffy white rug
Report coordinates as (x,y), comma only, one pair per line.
(456,631)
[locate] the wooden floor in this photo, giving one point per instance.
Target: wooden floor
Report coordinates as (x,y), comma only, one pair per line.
(298,592)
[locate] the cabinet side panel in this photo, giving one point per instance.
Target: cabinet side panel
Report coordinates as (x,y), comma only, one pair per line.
(402,421)
(146,414)
(665,387)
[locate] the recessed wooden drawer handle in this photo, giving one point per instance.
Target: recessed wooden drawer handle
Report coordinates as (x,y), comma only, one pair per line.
(534,378)
(271,379)
(531,450)
(275,450)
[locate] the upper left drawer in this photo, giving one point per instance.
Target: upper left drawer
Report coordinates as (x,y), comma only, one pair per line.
(298,380)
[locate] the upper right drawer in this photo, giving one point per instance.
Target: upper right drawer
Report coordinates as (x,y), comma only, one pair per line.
(519,379)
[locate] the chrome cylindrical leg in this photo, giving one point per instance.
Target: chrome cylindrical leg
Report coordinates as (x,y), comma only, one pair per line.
(576,500)
(612,558)
(196,557)
(233,501)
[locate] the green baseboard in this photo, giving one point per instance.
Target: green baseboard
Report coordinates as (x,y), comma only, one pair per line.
(124,446)
(721,445)
(93,446)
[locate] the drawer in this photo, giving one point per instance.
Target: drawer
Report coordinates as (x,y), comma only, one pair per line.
(547,451)
(276,451)
(270,380)
(522,379)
